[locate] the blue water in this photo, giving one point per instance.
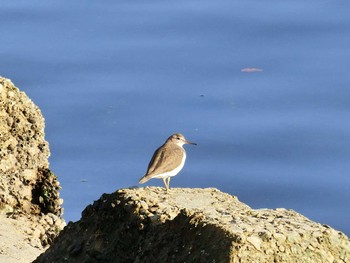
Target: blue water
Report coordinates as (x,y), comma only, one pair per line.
(115,78)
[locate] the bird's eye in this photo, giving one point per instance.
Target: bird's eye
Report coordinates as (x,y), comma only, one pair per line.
(178,138)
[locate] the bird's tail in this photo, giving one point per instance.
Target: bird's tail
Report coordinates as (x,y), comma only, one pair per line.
(144,179)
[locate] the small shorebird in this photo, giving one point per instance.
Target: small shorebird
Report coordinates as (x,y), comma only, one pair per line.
(167,160)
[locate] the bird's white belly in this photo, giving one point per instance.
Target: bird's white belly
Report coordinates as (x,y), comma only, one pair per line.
(173,172)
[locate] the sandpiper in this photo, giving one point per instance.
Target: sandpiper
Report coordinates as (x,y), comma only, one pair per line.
(167,160)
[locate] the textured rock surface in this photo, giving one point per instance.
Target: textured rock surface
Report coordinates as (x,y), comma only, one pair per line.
(192,225)
(28,189)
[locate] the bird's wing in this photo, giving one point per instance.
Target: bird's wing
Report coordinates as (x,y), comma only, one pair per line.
(160,159)
(153,164)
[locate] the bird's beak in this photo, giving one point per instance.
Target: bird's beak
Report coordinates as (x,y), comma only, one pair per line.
(193,143)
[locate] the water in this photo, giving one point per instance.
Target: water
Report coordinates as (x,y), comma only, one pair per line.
(115,79)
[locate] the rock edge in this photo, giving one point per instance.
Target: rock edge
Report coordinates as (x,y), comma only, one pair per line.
(30,207)
(192,225)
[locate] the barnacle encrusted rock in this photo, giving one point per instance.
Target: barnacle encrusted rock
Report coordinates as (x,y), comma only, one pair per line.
(192,225)
(29,191)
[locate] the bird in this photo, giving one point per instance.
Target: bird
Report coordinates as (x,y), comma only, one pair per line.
(167,160)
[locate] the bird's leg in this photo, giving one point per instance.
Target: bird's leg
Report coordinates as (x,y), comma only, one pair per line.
(169,182)
(166,186)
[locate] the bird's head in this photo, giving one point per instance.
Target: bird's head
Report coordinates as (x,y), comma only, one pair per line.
(179,139)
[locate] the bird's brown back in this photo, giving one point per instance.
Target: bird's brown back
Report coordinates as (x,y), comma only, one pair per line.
(165,159)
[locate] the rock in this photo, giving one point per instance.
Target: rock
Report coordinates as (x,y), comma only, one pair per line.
(29,191)
(192,225)
(17,246)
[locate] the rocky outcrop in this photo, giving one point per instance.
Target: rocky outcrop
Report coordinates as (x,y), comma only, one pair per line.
(192,225)
(29,191)
(140,224)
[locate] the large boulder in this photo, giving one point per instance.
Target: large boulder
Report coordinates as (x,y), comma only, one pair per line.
(192,225)
(29,196)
